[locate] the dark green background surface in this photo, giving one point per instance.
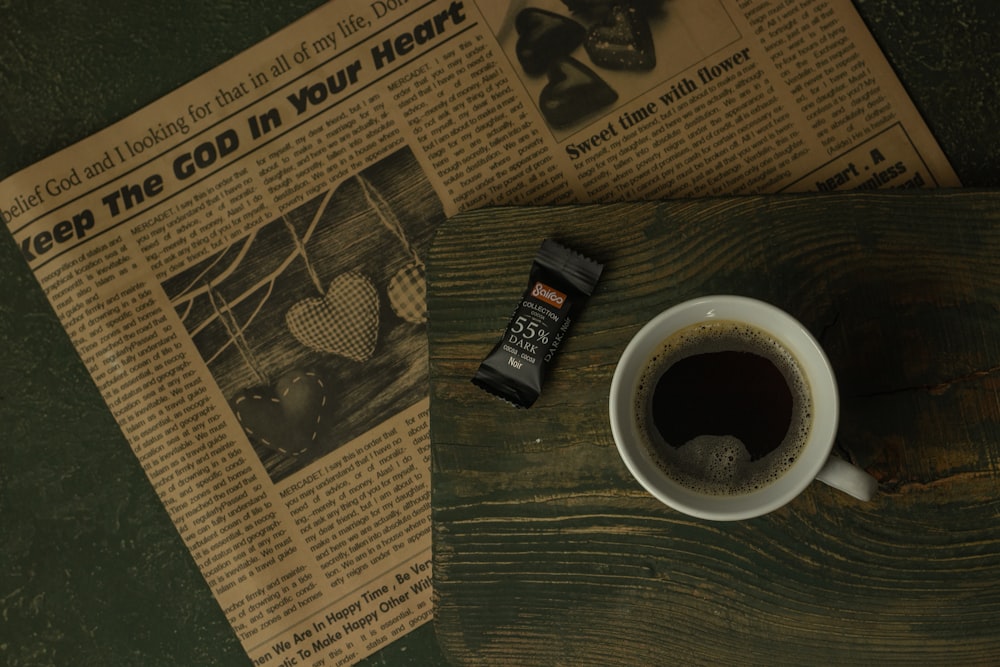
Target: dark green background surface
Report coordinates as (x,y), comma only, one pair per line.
(92,570)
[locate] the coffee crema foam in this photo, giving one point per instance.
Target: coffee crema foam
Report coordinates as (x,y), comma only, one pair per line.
(721,464)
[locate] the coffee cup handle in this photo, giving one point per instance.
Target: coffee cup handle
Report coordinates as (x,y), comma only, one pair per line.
(848,478)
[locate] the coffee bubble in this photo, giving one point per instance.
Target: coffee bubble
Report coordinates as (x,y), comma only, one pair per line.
(720,459)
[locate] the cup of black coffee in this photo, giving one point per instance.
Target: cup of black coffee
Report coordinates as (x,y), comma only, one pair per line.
(726,407)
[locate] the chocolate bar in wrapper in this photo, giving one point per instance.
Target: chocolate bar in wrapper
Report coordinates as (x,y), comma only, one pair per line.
(559,285)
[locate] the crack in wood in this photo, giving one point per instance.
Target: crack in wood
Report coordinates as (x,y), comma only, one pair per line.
(894,486)
(935,389)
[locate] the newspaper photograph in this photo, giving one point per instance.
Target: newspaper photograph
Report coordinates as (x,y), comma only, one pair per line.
(240,264)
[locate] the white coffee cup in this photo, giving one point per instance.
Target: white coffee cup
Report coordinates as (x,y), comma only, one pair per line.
(814,460)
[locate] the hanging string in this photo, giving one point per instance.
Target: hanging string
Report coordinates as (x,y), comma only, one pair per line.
(387,217)
(300,247)
(229,321)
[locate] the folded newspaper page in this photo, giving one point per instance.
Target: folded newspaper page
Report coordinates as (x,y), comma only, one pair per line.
(241,264)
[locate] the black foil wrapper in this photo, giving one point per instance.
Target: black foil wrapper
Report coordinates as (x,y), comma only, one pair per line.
(560,282)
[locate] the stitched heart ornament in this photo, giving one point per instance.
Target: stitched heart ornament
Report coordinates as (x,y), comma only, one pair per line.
(573,92)
(286,416)
(544,36)
(344,322)
(622,41)
(408,294)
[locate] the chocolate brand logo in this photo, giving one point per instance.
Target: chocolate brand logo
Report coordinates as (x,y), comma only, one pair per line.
(551,296)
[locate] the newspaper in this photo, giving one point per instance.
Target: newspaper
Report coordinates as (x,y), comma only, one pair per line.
(240,264)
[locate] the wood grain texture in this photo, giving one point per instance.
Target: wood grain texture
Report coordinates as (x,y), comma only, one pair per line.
(546,552)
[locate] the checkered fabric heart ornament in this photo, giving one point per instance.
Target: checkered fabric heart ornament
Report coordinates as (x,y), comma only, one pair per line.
(408,294)
(344,322)
(286,416)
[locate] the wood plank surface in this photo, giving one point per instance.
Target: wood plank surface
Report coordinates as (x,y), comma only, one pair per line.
(546,552)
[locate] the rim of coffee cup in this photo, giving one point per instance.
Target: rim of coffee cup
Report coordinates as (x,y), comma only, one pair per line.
(795,337)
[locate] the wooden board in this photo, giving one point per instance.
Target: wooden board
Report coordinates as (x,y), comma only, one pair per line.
(546,552)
